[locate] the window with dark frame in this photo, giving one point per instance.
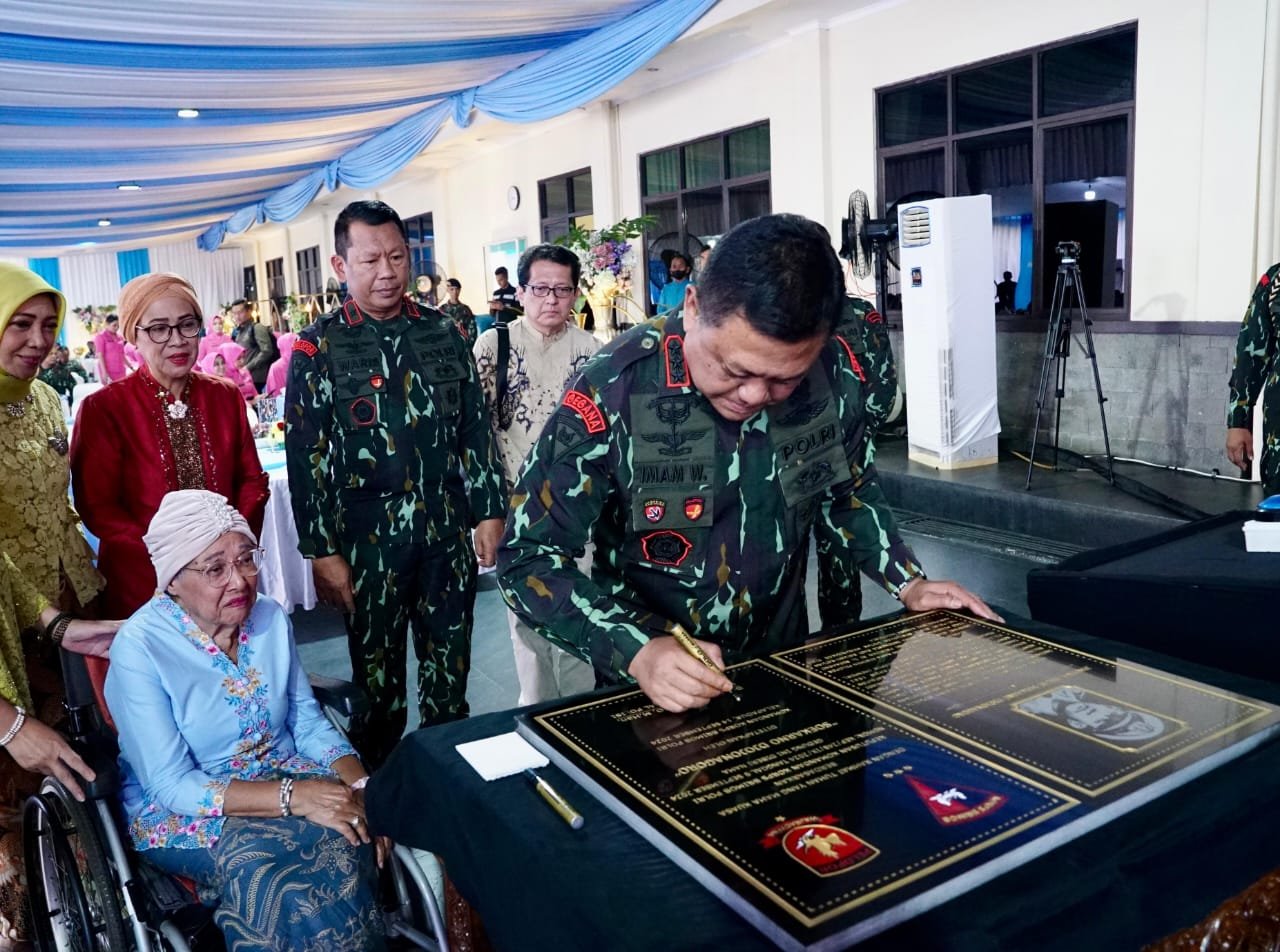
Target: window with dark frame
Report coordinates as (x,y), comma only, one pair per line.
(1048,134)
(310,284)
(250,283)
(424,273)
(564,202)
(276,289)
(698,190)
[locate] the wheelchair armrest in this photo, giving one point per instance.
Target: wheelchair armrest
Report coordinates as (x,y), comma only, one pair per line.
(341,697)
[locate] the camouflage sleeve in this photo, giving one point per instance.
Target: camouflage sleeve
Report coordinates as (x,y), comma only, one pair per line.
(855,528)
(565,488)
(308,417)
(1255,350)
(476,447)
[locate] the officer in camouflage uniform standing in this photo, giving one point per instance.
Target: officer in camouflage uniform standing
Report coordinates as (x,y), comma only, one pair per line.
(384,414)
(863,331)
(1256,366)
(699,453)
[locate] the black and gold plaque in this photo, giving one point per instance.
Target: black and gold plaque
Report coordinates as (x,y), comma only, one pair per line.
(865,778)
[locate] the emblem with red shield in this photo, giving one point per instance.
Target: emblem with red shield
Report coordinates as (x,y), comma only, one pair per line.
(655,509)
(693,507)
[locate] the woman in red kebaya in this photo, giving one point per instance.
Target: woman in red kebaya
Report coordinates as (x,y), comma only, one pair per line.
(163,428)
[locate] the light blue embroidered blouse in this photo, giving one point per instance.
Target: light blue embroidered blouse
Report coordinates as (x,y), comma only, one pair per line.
(190,721)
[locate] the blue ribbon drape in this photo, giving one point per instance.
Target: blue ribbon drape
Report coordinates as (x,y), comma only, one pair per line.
(130,264)
(554,83)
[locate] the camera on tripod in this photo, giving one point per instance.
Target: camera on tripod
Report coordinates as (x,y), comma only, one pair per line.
(1068,250)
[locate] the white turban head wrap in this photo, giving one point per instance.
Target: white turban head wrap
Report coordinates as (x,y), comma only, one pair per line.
(188,522)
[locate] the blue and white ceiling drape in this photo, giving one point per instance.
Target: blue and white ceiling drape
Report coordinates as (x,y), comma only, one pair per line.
(294,96)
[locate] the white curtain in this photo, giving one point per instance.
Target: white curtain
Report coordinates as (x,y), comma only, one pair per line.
(90,279)
(1006,243)
(218,276)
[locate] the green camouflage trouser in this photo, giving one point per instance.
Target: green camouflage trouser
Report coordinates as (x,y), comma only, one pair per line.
(431,592)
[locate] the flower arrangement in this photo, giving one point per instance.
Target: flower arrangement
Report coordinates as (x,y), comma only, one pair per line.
(608,259)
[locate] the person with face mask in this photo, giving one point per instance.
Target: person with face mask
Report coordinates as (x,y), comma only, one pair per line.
(680,270)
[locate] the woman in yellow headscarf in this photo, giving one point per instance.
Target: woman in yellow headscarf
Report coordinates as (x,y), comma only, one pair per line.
(39,530)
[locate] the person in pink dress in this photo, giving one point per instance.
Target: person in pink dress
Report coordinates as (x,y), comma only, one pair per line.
(278,372)
(226,363)
(214,339)
(109,345)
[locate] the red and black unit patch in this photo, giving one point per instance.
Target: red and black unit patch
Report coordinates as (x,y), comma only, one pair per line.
(677,371)
(655,509)
(857,367)
(665,547)
(364,412)
(951,805)
(873,317)
(819,846)
(582,405)
(306,347)
(693,508)
(377,381)
(351,313)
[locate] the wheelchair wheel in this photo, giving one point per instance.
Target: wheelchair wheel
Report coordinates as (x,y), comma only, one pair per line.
(72,892)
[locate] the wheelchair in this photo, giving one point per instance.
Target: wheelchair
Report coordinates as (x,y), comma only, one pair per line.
(89,891)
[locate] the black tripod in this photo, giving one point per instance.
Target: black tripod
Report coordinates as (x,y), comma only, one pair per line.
(1057,348)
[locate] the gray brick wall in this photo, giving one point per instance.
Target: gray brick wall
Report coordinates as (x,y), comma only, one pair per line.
(1166,394)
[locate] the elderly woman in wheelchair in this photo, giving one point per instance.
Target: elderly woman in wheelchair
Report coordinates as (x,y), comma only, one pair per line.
(231,775)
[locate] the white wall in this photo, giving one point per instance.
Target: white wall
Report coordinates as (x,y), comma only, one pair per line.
(1197,162)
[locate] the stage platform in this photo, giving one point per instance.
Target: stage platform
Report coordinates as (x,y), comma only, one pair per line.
(1064,510)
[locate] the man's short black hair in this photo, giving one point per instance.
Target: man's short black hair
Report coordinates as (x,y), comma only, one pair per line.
(454,283)
(682,256)
(239,302)
(113,318)
(368,213)
(499,270)
(556,254)
(780,272)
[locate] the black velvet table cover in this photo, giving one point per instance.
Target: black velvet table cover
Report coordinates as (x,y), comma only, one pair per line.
(538,885)
(1193,592)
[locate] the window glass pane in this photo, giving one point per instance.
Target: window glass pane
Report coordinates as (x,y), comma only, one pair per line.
(1084,200)
(1000,166)
(1091,73)
(580,186)
(702,162)
(913,113)
(584,221)
(662,172)
(749,151)
(704,214)
(555,198)
(995,95)
(918,172)
(665,233)
(748,201)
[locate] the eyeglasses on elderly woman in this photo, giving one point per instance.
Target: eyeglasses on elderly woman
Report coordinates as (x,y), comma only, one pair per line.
(160,332)
(218,572)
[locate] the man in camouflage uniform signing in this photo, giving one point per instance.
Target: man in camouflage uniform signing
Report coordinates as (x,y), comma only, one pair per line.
(699,453)
(384,415)
(1257,347)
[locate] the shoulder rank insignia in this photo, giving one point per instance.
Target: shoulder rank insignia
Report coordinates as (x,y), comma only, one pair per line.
(857,367)
(677,372)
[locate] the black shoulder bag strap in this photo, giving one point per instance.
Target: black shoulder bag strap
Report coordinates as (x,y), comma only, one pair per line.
(504,358)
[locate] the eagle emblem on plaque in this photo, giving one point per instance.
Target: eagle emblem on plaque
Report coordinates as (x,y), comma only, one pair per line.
(818,845)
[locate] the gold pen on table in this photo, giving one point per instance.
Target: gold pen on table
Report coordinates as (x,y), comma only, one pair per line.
(687,642)
(557,802)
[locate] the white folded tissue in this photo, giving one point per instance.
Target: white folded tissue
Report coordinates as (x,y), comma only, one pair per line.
(501,755)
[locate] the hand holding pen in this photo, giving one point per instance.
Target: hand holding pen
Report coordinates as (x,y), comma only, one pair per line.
(679,673)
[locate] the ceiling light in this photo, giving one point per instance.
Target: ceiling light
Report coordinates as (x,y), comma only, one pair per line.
(128,187)
(188,113)
(1089,193)
(104,222)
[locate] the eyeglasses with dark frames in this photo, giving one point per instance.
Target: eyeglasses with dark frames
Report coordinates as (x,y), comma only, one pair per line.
(160,333)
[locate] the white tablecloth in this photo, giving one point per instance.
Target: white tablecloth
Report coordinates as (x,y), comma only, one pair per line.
(285,575)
